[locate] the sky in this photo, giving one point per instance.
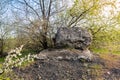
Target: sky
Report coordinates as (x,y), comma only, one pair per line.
(106,11)
(70,2)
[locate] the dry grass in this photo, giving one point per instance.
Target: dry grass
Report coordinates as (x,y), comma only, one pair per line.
(111,60)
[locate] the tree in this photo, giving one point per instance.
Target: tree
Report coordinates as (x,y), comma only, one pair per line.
(3,27)
(41,12)
(4,34)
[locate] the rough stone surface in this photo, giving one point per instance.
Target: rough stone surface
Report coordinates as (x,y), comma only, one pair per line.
(75,37)
(65,54)
(65,65)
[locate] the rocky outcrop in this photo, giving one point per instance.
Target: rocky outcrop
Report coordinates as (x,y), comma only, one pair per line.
(75,37)
(65,54)
(60,65)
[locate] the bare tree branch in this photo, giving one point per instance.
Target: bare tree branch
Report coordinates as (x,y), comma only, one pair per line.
(77,18)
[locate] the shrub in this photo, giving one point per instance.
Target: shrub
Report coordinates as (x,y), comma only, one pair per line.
(15,59)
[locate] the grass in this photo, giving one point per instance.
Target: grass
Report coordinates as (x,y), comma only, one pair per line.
(23,65)
(26,52)
(116,52)
(96,70)
(2,59)
(111,58)
(96,66)
(26,64)
(105,51)
(96,50)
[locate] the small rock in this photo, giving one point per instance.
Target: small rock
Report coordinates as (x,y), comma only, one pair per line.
(108,73)
(82,57)
(41,56)
(59,57)
(87,54)
(68,58)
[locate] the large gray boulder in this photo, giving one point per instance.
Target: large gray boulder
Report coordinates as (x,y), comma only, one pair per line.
(74,37)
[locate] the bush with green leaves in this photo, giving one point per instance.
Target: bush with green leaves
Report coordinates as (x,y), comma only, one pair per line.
(107,40)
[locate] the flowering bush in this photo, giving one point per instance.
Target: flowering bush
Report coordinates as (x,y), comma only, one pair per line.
(15,59)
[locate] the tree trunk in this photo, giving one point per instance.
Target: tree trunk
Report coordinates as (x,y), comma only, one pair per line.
(1,47)
(45,31)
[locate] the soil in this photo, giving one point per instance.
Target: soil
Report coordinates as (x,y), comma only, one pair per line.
(69,69)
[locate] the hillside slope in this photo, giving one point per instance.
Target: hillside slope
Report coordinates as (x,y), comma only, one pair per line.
(57,67)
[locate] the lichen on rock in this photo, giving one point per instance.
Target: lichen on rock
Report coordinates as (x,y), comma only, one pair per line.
(75,37)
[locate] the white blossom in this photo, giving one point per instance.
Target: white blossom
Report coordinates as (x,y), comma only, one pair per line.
(12,60)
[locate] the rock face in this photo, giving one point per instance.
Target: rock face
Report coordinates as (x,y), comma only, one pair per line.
(65,54)
(66,64)
(75,37)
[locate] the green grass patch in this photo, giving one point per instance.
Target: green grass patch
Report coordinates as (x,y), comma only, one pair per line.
(2,78)
(99,50)
(26,64)
(26,52)
(2,59)
(105,51)
(1,65)
(116,52)
(96,66)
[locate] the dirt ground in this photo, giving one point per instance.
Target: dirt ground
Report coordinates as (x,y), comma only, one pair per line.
(103,67)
